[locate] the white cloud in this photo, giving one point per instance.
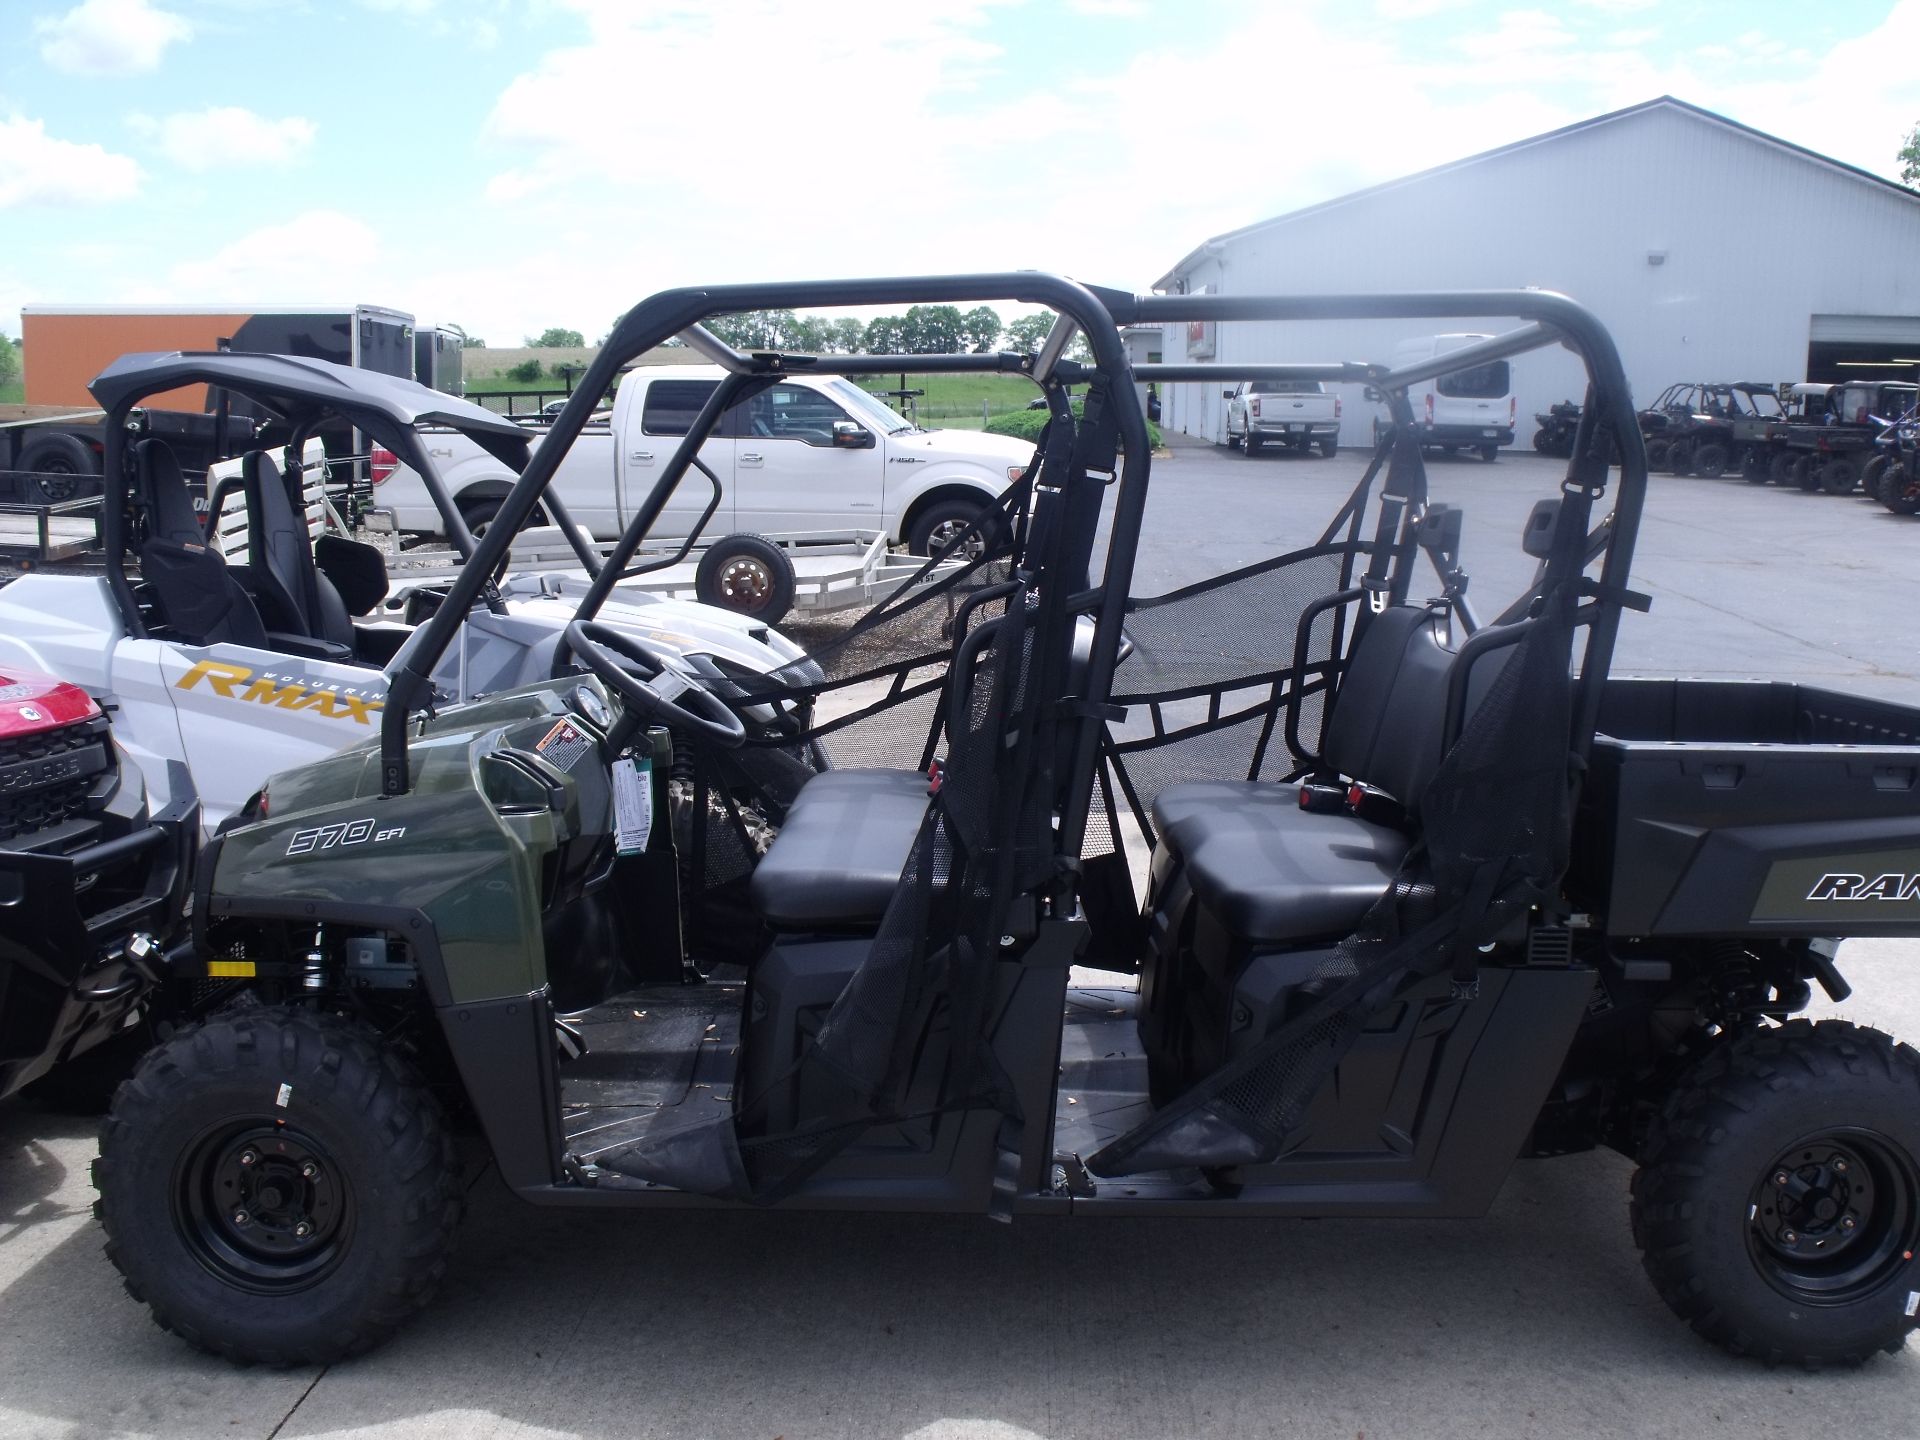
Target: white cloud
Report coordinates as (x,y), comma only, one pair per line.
(36,168)
(109,37)
(226,134)
(321,255)
(1109,9)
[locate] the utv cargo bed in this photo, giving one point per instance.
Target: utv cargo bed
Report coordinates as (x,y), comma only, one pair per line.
(1732,805)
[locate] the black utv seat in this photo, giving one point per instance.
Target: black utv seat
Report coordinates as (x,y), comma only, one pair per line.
(1268,872)
(297,600)
(194,594)
(1271,872)
(838,857)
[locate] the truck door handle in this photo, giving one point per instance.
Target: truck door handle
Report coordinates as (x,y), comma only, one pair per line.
(645,456)
(751,457)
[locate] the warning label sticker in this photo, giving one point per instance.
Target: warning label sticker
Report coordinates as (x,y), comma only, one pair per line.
(563,745)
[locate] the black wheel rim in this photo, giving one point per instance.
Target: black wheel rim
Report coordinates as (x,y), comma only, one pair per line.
(1835,1217)
(56,490)
(263,1207)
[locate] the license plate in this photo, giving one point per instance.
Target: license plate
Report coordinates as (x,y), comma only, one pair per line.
(1489,433)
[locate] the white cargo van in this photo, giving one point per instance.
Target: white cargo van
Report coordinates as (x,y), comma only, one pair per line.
(1471,409)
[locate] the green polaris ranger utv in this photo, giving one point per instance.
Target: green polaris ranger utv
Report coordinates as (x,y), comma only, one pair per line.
(1421,892)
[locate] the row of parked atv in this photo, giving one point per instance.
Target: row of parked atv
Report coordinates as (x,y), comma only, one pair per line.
(1835,438)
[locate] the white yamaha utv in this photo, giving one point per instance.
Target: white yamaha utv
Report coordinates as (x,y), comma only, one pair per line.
(241,670)
(1428,894)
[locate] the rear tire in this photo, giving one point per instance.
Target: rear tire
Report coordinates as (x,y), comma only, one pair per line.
(1873,473)
(479,515)
(1489,453)
(1657,451)
(747,574)
(1777,1207)
(1329,448)
(1753,467)
(1780,467)
(1839,475)
(237,1133)
(1251,442)
(1803,472)
(1710,460)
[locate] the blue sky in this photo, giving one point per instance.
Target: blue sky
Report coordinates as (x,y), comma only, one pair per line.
(512,164)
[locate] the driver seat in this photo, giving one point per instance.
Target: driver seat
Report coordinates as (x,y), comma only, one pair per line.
(194,593)
(297,598)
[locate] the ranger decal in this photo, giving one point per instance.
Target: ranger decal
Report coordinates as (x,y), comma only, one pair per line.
(278,690)
(1857,887)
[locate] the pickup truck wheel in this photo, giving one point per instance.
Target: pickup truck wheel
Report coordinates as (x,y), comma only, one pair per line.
(479,515)
(1251,442)
(1329,448)
(1233,441)
(1838,476)
(277,1186)
(747,574)
(941,523)
(1777,1206)
(58,463)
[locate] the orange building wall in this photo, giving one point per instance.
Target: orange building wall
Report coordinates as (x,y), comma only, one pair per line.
(63,352)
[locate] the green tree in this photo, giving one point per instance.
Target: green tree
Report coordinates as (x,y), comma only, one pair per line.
(756,329)
(887,335)
(980,328)
(553,338)
(849,335)
(934,330)
(810,335)
(1025,334)
(526,372)
(9,360)
(1910,158)
(471,342)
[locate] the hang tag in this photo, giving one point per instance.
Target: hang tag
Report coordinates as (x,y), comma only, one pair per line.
(632,805)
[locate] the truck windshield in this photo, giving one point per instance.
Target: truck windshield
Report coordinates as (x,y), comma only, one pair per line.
(866,407)
(1482,382)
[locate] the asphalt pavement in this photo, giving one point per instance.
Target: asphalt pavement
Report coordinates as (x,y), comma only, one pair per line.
(1533,1321)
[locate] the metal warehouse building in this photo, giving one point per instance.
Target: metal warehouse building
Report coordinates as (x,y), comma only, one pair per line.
(1712,252)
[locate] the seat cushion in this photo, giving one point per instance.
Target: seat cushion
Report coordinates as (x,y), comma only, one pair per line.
(838,857)
(1267,869)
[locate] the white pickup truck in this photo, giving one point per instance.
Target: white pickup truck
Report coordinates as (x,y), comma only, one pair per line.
(813,454)
(1296,413)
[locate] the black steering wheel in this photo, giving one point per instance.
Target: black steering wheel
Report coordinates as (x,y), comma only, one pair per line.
(650,689)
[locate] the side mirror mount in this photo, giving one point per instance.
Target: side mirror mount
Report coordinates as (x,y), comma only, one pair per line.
(849,436)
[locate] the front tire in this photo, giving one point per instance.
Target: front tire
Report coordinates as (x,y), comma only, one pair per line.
(1777,1207)
(277,1186)
(943,522)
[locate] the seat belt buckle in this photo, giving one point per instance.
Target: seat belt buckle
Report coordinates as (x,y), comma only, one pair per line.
(1321,797)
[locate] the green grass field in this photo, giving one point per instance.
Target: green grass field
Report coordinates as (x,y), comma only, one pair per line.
(953,402)
(13,392)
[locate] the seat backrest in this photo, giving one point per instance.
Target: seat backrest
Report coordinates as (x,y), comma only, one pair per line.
(196,597)
(170,512)
(298,598)
(279,551)
(1389,723)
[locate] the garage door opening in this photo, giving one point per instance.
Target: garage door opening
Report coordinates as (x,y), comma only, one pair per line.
(1863,347)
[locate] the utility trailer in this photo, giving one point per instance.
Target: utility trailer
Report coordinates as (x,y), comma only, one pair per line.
(1428,892)
(765,577)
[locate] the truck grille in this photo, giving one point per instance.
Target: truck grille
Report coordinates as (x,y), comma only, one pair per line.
(46,778)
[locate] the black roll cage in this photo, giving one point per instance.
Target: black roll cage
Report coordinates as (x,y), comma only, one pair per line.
(303,392)
(1097,313)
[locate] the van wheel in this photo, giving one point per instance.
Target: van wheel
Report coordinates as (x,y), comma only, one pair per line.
(479,515)
(1489,453)
(277,1186)
(1777,1206)
(747,574)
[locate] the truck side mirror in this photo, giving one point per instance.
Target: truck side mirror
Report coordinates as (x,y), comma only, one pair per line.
(849,436)
(1371,392)
(1226,394)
